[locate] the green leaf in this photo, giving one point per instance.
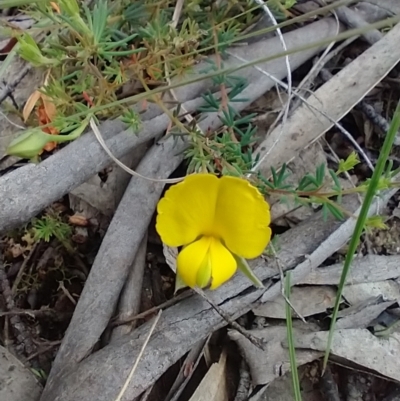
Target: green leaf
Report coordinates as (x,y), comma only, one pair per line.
(335,179)
(132,119)
(16,3)
(29,51)
(70,7)
(349,163)
(308,182)
(279,178)
(320,175)
(274,176)
(325,212)
(246,270)
(376,222)
(334,211)
(282,175)
(292,350)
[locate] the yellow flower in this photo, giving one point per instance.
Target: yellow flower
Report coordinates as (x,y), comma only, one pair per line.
(217,221)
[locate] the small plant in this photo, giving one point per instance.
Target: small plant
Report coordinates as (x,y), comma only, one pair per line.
(51,225)
(92,54)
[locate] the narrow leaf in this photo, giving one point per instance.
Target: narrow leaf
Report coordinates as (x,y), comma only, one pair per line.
(292,350)
(336,213)
(30,104)
(320,174)
(335,179)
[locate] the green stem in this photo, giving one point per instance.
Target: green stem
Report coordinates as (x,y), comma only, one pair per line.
(73,135)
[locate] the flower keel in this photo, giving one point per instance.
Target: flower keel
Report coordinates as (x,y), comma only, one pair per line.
(206,262)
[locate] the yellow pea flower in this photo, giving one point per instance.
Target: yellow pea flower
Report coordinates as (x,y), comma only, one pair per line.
(217,221)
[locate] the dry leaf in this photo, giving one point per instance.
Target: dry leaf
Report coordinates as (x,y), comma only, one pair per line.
(78,220)
(361,319)
(55,7)
(7,45)
(46,111)
(17,250)
(265,366)
(359,346)
(371,268)
(18,23)
(49,107)
(213,387)
(30,104)
(307,300)
(170,255)
(357,293)
(44,119)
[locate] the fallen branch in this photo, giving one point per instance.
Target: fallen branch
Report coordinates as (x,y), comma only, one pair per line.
(121,242)
(186,323)
(180,326)
(129,303)
(28,190)
(347,87)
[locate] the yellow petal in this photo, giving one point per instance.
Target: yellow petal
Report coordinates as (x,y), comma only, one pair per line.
(191,259)
(242,217)
(187,210)
(223,264)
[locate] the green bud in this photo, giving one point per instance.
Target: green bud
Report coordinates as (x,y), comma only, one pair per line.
(32,141)
(29,144)
(29,51)
(70,7)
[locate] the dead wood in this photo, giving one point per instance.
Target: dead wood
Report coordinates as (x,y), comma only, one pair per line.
(353,19)
(28,190)
(17,383)
(179,328)
(129,303)
(123,237)
(390,6)
(351,84)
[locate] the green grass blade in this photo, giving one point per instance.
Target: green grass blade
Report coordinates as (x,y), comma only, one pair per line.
(355,239)
(292,350)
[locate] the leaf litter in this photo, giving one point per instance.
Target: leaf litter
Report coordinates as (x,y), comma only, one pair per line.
(56,281)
